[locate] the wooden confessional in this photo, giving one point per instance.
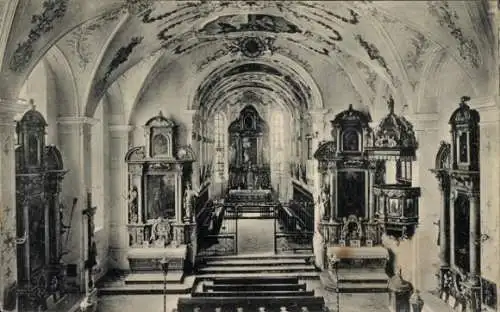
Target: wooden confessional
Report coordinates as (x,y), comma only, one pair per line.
(39,174)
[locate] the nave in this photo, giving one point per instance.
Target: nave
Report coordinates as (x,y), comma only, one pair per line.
(202,152)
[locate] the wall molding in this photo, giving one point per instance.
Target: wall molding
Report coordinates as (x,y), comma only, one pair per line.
(121,128)
(77,120)
(10,109)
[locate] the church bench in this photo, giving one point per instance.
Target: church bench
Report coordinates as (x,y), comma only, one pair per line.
(254,287)
(253,293)
(256,280)
(292,304)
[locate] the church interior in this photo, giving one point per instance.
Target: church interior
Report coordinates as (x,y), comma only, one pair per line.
(249,156)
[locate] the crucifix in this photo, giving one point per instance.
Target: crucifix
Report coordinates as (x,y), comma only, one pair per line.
(91,260)
(390,105)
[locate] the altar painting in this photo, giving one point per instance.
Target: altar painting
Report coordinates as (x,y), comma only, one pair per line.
(160,196)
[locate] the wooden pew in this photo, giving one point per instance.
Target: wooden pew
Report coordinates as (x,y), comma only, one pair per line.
(255,287)
(226,304)
(256,280)
(280,293)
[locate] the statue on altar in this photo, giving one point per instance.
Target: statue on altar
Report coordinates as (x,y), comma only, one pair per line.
(133,205)
(249,177)
(190,196)
(160,233)
(324,202)
(232,153)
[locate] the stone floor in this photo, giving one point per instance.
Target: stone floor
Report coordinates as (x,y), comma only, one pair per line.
(255,236)
(348,302)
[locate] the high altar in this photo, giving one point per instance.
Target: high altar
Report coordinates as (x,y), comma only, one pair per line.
(161,200)
(39,174)
(365,187)
(249,152)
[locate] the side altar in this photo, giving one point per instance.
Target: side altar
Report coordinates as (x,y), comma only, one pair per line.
(161,200)
(365,190)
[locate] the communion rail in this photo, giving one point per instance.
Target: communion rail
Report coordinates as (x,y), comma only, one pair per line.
(218,234)
(294,227)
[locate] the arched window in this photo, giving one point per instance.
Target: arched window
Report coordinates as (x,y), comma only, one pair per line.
(220,146)
(97,165)
(277,139)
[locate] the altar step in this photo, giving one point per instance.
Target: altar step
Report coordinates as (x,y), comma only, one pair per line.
(355,281)
(261,256)
(146,283)
(258,265)
(154,278)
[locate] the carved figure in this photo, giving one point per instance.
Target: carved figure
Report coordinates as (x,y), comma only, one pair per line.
(324,202)
(232,154)
(352,228)
(394,208)
(190,196)
(160,233)
(133,205)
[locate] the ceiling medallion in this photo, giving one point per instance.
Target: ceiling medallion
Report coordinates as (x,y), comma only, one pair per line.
(254,47)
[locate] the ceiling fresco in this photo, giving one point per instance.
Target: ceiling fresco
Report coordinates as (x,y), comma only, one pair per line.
(380,40)
(83,39)
(259,76)
(53,10)
(249,22)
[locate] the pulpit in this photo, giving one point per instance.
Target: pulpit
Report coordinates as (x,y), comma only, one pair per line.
(161,199)
(39,174)
(396,199)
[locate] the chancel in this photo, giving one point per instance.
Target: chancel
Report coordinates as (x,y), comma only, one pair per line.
(249,156)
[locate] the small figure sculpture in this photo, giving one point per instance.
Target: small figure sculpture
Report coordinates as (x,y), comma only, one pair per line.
(189,197)
(160,233)
(132,205)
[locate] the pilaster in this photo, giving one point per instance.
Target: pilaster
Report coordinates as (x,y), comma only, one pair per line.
(489,133)
(118,240)
(425,255)
(8,262)
(317,121)
(75,144)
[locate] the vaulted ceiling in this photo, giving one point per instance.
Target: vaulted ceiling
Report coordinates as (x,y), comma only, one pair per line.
(201,50)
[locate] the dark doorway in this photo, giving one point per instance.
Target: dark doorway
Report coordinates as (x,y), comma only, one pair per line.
(351,193)
(462,229)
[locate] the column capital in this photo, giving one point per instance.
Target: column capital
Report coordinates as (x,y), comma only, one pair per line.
(424,122)
(77,120)
(318,114)
(483,101)
(121,128)
(488,114)
(9,108)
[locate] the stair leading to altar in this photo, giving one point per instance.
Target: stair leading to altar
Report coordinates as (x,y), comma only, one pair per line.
(250,266)
(144,283)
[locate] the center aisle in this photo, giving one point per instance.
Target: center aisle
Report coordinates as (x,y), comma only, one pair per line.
(255,236)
